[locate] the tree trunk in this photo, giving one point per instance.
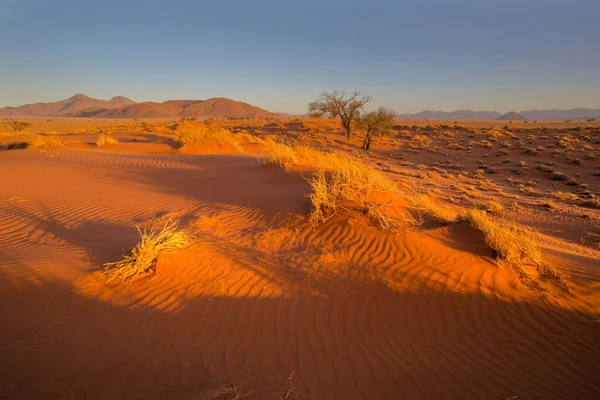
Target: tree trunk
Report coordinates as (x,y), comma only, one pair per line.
(367,142)
(348,128)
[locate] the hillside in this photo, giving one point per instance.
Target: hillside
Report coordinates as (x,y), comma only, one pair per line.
(121,107)
(574,114)
(512,116)
(65,108)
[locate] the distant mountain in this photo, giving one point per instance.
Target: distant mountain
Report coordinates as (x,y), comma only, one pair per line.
(541,115)
(122,107)
(454,115)
(72,105)
(575,113)
(511,116)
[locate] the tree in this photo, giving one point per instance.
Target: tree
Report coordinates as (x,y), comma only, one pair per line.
(17,126)
(376,123)
(338,105)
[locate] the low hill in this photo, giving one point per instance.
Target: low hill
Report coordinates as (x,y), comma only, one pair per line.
(574,114)
(221,107)
(512,116)
(64,108)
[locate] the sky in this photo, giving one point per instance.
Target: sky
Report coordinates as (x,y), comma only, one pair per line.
(280,54)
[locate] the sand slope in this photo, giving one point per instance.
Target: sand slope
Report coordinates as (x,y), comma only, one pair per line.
(261,299)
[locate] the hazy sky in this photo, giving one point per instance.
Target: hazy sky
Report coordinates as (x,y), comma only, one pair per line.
(280,54)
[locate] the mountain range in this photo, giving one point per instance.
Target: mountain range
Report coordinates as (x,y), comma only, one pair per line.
(81,105)
(542,115)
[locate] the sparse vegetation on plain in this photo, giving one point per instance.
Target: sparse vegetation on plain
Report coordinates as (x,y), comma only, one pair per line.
(197,137)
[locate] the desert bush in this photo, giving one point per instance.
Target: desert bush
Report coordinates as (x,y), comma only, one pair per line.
(104,139)
(144,256)
(557,176)
(307,127)
(202,138)
(17,145)
(593,201)
(44,142)
(17,126)
(493,206)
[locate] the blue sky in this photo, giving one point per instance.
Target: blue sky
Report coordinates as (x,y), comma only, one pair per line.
(278,54)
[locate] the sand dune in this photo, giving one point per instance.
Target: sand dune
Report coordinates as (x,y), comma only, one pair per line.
(262,302)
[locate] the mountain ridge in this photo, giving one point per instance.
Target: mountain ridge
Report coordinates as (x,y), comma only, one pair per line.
(82,106)
(542,115)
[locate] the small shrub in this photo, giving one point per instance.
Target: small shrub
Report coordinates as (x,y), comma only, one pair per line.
(17,145)
(45,142)
(196,137)
(593,201)
(493,207)
(557,176)
(105,139)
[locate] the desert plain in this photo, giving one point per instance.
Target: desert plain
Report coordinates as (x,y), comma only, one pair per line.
(402,294)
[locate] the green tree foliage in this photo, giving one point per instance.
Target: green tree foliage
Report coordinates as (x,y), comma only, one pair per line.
(339,105)
(376,123)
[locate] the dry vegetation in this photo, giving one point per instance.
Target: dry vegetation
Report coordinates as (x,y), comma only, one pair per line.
(38,142)
(198,137)
(104,139)
(516,247)
(144,256)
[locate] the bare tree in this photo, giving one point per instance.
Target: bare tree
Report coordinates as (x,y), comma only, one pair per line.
(376,123)
(17,126)
(338,105)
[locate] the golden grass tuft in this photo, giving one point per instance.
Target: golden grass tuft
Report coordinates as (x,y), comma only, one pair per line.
(44,142)
(197,137)
(144,256)
(105,139)
(515,246)
(345,182)
(279,153)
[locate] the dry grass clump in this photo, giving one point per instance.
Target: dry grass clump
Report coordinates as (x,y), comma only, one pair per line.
(353,186)
(280,153)
(515,246)
(105,139)
(196,137)
(144,256)
(344,182)
(44,142)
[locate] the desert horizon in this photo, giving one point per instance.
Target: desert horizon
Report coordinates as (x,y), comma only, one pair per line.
(281,201)
(121,107)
